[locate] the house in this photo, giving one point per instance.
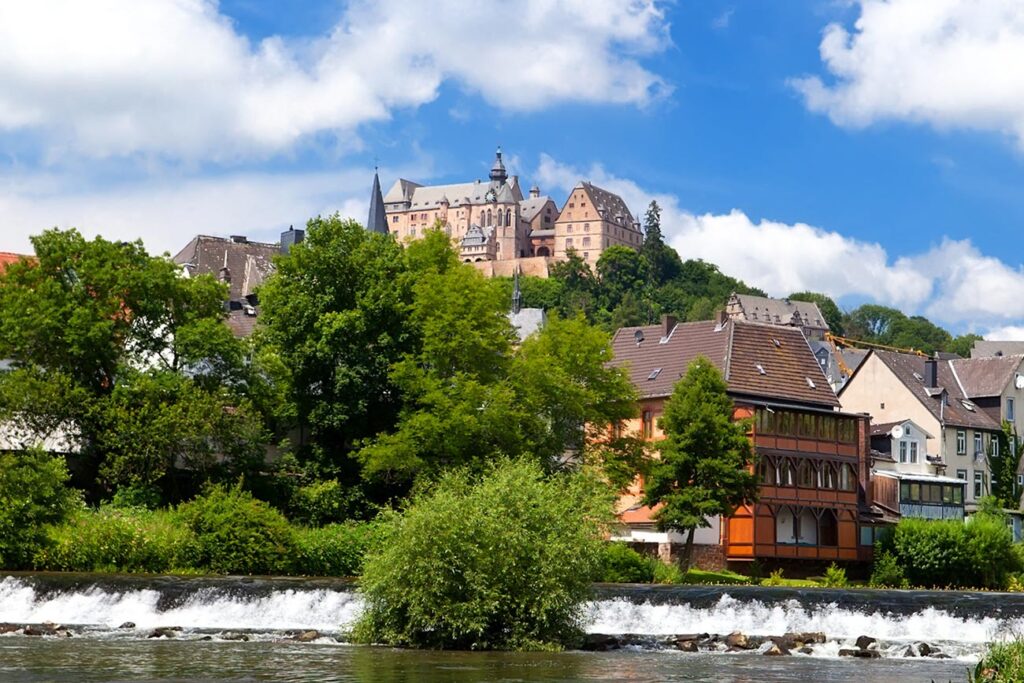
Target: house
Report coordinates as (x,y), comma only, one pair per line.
(813,460)
(941,398)
(802,314)
(905,480)
(987,349)
(241,264)
(593,219)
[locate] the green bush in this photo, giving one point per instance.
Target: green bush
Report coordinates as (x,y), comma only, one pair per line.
(774,579)
(1003,663)
(33,494)
(504,562)
(238,534)
(622,564)
(122,540)
(835,577)
(324,502)
(887,572)
(978,553)
(335,549)
(667,573)
(147,497)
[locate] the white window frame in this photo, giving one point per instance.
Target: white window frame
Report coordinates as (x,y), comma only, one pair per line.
(961,442)
(913,452)
(979,443)
(903,451)
(1009,409)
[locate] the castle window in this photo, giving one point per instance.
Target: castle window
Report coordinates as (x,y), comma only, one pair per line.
(568,243)
(586,241)
(586,256)
(394,219)
(586,227)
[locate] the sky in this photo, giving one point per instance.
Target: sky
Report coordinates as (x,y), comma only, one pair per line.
(871,150)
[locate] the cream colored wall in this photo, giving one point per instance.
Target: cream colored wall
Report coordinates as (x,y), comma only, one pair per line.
(581,217)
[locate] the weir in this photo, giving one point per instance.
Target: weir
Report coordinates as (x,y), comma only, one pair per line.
(962,622)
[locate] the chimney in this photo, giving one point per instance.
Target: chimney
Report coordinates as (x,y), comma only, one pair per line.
(291,237)
(668,323)
(931,373)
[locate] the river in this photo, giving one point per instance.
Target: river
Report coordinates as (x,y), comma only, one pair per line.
(244,629)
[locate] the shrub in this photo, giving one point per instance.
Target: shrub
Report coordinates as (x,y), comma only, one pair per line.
(238,534)
(501,563)
(774,579)
(33,494)
(147,497)
(978,553)
(123,540)
(622,564)
(835,577)
(887,572)
(335,549)
(324,502)
(668,573)
(1003,663)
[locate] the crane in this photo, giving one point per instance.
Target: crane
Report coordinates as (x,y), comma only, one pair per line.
(836,341)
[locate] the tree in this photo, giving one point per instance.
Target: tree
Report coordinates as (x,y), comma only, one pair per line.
(1004,461)
(917,332)
(663,261)
(833,316)
(88,320)
(706,462)
(963,344)
(500,562)
(33,494)
(872,322)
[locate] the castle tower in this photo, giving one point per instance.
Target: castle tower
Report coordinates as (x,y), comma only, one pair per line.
(377,221)
(498,173)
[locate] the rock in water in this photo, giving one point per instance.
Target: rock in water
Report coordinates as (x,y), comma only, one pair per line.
(127,624)
(307,636)
(864,642)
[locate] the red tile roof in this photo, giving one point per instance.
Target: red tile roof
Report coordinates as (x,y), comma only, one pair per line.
(7,258)
(758,360)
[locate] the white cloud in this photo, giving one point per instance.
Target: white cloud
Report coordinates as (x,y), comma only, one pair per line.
(948,63)
(1008,333)
(952,283)
(173,78)
(167,213)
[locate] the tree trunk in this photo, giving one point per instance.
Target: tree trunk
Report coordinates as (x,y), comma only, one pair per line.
(684,562)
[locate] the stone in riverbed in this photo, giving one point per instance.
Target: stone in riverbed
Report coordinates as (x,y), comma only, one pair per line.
(687,645)
(864,642)
(739,641)
(164,632)
(806,650)
(8,628)
(234,636)
(127,624)
(863,654)
(909,652)
(775,651)
(307,636)
(600,642)
(925,649)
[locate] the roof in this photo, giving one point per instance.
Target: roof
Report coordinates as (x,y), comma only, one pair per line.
(982,348)
(476,236)
(981,377)
(401,191)
(248,265)
(916,476)
(529,208)
(883,428)
(610,205)
(9,257)
(780,311)
(909,369)
(458,194)
(755,359)
(377,221)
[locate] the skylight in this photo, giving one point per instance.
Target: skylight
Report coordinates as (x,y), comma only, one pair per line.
(760,369)
(777,343)
(654,373)
(810,382)
(918,376)
(967,404)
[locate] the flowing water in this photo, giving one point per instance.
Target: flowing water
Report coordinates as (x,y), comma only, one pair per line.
(244,629)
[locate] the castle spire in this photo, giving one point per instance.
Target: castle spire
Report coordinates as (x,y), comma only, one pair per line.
(498,174)
(377,221)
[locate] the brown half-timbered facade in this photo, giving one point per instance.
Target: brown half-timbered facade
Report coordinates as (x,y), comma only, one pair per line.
(811,459)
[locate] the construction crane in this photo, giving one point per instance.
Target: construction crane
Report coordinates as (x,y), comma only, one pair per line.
(836,341)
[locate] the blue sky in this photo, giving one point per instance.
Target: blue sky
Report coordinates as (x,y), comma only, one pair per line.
(871,150)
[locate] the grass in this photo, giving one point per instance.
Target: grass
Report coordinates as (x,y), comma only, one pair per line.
(702,577)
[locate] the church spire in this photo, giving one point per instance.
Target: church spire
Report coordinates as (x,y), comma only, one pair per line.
(377,221)
(498,174)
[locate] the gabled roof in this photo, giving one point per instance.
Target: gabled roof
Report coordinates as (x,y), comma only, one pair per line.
(458,194)
(610,205)
(780,311)
(529,208)
(756,360)
(8,257)
(884,428)
(983,348)
(401,191)
(981,377)
(909,369)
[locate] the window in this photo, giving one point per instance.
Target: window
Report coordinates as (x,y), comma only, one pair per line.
(913,451)
(961,442)
(805,475)
(979,485)
(995,445)
(903,451)
(568,228)
(767,471)
(423,216)
(1009,409)
(568,243)
(958,495)
(572,205)
(586,241)
(828,476)
(847,478)
(904,492)
(786,473)
(394,219)
(1020,480)
(978,447)
(586,255)
(828,529)
(586,228)
(961,474)
(648,424)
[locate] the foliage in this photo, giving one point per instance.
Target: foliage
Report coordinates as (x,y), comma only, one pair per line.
(120,540)
(962,344)
(622,564)
(835,577)
(1004,460)
(884,325)
(669,574)
(705,464)
(334,549)
(324,502)
(128,497)
(1003,663)
(114,349)
(887,572)
(724,577)
(500,562)
(33,494)
(775,578)
(978,553)
(238,534)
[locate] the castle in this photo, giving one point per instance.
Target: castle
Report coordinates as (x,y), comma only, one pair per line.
(501,231)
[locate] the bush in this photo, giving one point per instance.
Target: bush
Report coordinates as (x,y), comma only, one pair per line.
(887,572)
(667,573)
(774,579)
(147,497)
(502,563)
(238,534)
(978,553)
(33,494)
(324,502)
(111,539)
(835,577)
(622,564)
(335,549)
(1003,663)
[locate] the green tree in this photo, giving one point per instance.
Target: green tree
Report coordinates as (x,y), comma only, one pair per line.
(503,562)
(872,322)
(88,320)
(663,261)
(33,495)
(833,316)
(1004,462)
(962,344)
(705,466)
(917,332)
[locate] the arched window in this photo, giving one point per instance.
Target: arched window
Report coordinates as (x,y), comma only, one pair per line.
(807,526)
(847,478)
(488,220)
(787,473)
(805,475)
(767,468)
(543,251)
(785,526)
(827,477)
(828,529)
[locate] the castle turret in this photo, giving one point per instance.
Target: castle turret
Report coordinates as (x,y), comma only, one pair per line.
(377,221)
(498,173)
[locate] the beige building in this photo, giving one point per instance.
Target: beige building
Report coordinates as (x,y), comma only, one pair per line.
(593,219)
(495,226)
